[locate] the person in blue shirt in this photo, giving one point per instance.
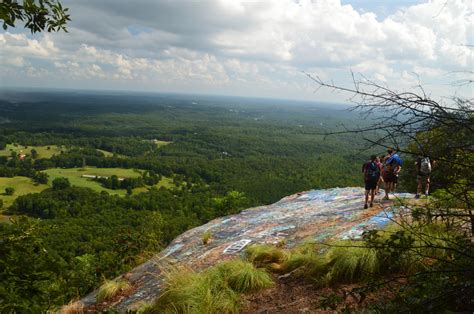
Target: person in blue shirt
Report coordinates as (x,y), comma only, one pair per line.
(392,166)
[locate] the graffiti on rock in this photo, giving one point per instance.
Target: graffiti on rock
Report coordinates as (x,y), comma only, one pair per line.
(314,215)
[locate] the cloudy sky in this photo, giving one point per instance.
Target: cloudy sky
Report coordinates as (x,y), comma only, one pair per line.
(246,48)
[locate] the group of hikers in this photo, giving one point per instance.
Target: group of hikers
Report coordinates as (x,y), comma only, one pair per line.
(386,169)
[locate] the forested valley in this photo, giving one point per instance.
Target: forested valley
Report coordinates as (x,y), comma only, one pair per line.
(94,184)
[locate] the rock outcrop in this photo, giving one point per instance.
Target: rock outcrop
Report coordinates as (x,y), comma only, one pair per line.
(313,215)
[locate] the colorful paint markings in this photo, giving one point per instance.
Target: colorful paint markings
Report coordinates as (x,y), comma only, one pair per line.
(313,215)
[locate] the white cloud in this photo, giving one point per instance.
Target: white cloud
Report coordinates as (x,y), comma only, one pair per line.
(237,46)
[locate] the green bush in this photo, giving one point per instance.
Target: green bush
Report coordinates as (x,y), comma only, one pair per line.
(61,183)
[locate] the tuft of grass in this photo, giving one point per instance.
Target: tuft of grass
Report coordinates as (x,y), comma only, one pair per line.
(351,262)
(266,256)
(76,307)
(244,277)
(144,308)
(187,291)
(206,237)
(215,290)
(111,288)
(308,264)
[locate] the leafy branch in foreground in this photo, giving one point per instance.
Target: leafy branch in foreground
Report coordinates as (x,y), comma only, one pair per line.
(38,15)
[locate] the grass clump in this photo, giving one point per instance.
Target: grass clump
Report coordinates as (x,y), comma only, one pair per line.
(266,256)
(206,237)
(349,261)
(111,288)
(307,263)
(243,277)
(215,290)
(76,307)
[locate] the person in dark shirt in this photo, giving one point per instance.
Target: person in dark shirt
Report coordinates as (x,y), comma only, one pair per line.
(371,170)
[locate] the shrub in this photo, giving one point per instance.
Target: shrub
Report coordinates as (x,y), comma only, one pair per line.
(61,183)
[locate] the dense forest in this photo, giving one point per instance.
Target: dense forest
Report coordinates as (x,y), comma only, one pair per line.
(220,154)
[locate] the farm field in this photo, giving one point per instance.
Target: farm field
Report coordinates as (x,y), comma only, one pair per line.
(43,151)
(106,153)
(75,176)
(110,154)
(164,182)
(22,186)
(159,143)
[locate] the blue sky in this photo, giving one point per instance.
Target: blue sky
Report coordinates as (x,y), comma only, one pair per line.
(247,48)
(382,8)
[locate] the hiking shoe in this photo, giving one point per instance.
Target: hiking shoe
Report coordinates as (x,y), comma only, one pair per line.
(427,194)
(417,196)
(365,206)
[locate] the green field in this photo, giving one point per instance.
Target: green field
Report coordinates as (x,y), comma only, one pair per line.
(159,143)
(22,186)
(164,182)
(106,153)
(75,176)
(43,151)
(110,154)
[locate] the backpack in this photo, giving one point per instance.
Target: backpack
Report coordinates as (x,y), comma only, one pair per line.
(425,165)
(372,171)
(392,162)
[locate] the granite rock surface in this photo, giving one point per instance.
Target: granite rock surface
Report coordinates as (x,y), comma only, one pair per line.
(312,215)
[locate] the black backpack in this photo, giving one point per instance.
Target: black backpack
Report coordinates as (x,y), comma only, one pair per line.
(372,170)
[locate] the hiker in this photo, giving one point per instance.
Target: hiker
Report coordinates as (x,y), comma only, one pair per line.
(371,172)
(423,172)
(379,162)
(391,169)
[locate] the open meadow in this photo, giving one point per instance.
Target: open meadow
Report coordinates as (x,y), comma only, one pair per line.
(46,151)
(22,186)
(74,176)
(25,185)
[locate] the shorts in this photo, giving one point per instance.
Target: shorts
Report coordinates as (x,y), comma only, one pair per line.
(423,177)
(395,178)
(371,184)
(389,177)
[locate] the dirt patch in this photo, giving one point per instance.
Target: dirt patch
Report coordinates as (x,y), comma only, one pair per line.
(295,295)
